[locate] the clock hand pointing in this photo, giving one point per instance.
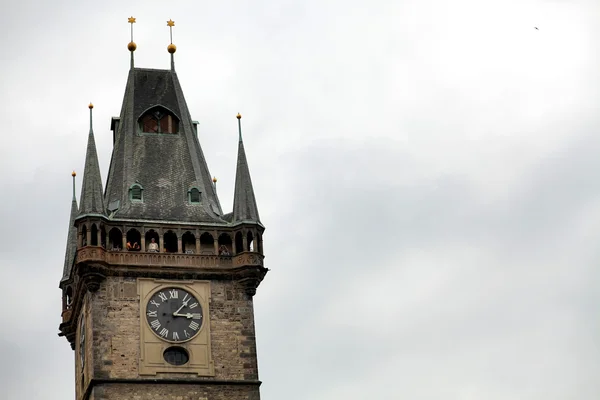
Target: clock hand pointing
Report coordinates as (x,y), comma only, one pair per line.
(176,313)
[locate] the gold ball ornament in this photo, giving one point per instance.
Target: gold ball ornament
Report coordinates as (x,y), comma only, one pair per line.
(131,46)
(73,174)
(171,48)
(90,106)
(214,179)
(239,116)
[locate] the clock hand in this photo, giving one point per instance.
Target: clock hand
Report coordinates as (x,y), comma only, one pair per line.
(177,312)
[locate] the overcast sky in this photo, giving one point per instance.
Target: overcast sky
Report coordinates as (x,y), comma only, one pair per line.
(428,172)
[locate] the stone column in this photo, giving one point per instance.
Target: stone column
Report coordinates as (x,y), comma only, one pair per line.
(124,239)
(143,239)
(233,248)
(245,242)
(161,245)
(179,242)
(99,237)
(197,241)
(88,237)
(216,241)
(79,239)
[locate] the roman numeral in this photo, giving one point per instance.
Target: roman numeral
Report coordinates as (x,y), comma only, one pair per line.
(187,335)
(175,336)
(152,313)
(174,294)
(153,302)
(196,315)
(164,332)
(155,324)
(162,296)
(194,325)
(193,305)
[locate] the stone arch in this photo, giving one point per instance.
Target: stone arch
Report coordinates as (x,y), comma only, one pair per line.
(68,297)
(94,238)
(207,243)
(151,234)
(259,243)
(84,235)
(188,243)
(239,243)
(134,238)
(170,242)
(225,244)
(250,241)
(115,239)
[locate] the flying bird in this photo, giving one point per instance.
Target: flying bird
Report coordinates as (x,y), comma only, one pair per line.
(536,28)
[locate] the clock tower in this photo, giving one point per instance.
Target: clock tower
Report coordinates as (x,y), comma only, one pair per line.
(158,281)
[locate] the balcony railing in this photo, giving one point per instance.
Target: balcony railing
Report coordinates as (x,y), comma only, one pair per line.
(99,254)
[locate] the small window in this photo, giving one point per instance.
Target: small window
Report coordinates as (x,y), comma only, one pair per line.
(194,195)
(159,120)
(135,193)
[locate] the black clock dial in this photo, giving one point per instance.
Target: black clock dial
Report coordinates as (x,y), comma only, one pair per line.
(82,341)
(174,314)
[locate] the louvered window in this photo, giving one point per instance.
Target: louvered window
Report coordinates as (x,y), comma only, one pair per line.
(194,195)
(136,193)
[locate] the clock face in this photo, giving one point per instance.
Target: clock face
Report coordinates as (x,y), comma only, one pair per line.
(174,314)
(82,340)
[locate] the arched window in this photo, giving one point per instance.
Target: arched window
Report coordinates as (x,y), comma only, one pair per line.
(207,244)
(115,239)
(134,238)
(188,243)
(170,242)
(158,120)
(136,192)
(94,239)
(194,195)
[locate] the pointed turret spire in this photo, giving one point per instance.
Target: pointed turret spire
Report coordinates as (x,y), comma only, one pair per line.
(244,203)
(71,237)
(91,201)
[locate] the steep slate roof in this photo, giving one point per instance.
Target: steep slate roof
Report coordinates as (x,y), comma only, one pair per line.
(244,203)
(167,166)
(71,239)
(92,198)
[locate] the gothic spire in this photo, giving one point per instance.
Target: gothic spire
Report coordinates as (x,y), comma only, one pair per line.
(92,197)
(71,237)
(244,203)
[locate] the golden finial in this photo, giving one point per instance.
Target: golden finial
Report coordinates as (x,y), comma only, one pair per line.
(73,174)
(171,48)
(131,46)
(239,116)
(91,106)
(214,179)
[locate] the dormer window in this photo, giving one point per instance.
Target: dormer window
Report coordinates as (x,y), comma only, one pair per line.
(136,192)
(194,195)
(159,120)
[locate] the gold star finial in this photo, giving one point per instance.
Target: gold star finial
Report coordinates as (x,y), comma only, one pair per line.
(170,23)
(131,20)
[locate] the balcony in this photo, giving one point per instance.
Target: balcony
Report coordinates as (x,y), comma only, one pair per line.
(137,258)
